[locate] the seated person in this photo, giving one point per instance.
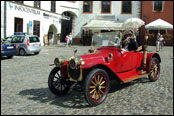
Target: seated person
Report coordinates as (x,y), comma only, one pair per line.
(130,43)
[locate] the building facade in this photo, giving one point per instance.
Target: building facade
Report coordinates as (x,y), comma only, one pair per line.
(117,11)
(153,10)
(42,18)
(3,19)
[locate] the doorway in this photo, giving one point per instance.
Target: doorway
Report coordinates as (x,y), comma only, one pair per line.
(52,35)
(66,25)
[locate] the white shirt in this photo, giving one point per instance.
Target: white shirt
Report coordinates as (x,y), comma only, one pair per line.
(161,39)
(70,37)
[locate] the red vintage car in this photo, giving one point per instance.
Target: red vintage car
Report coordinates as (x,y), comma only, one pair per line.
(95,70)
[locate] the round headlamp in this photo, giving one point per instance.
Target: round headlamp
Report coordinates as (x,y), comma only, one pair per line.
(75,62)
(59,61)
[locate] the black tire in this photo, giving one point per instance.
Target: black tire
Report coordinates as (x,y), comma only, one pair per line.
(22,52)
(96,87)
(36,53)
(154,69)
(57,84)
(10,56)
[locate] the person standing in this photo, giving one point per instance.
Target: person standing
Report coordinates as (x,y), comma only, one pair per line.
(67,40)
(70,39)
(161,39)
(157,42)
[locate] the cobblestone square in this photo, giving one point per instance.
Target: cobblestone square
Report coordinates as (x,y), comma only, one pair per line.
(24,88)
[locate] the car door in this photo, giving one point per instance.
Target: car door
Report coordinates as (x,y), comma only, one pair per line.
(128,60)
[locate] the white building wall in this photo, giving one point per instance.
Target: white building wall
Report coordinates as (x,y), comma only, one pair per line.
(115,12)
(2,19)
(45,22)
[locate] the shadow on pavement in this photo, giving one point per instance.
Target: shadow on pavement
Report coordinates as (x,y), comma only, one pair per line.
(73,99)
(115,86)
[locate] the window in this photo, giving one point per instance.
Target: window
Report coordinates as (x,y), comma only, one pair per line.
(37,4)
(126,7)
(18,25)
(87,7)
(106,6)
(36,28)
(158,6)
(33,39)
(17,39)
(53,6)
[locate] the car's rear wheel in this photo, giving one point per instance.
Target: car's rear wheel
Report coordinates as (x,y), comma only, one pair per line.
(154,69)
(57,84)
(22,52)
(96,87)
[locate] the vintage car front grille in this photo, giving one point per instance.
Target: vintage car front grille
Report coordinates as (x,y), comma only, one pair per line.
(74,73)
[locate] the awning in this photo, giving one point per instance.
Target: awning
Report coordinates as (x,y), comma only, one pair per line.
(159,24)
(103,25)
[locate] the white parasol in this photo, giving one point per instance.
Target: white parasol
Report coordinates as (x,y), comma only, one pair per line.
(159,24)
(133,23)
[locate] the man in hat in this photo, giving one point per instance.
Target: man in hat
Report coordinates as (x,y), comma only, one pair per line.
(129,42)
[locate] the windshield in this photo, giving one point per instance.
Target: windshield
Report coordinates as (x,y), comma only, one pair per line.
(107,39)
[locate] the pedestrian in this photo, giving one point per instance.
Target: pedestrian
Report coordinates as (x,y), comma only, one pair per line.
(157,42)
(161,39)
(67,40)
(70,39)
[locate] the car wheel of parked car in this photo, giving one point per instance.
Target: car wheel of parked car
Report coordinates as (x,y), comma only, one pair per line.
(57,84)
(9,56)
(22,52)
(96,86)
(154,69)
(36,53)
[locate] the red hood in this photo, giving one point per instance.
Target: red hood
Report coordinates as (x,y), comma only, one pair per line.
(90,56)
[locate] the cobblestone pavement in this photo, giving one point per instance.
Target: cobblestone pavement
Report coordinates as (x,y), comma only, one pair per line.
(24,88)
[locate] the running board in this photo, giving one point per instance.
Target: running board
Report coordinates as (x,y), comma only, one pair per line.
(135,77)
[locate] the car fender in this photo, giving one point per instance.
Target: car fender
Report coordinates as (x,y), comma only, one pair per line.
(148,60)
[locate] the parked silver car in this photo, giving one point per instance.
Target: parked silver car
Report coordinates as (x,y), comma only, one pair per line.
(27,44)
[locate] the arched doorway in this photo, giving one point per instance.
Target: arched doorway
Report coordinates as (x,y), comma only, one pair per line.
(66,25)
(52,35)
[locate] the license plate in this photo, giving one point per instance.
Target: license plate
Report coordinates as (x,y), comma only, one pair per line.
(10,47)
(36,45)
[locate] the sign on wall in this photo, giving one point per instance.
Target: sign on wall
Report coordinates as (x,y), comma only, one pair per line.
(23,9)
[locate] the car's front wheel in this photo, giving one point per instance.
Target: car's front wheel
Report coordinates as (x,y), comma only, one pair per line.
(58,84)
(96,87)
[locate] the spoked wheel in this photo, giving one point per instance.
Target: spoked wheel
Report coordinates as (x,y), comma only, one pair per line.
(96,87)
(154,70)
(57,84)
